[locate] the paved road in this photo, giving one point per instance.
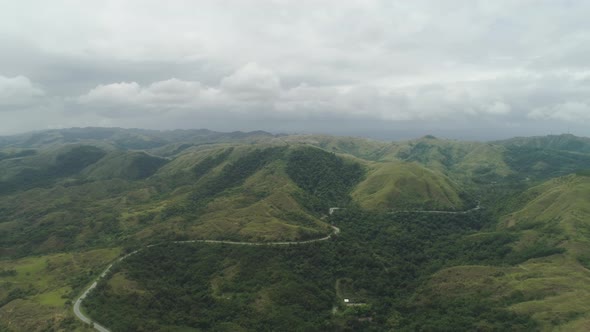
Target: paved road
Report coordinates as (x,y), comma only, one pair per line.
(335,230)
(478,207)
(98,327)
(81,316)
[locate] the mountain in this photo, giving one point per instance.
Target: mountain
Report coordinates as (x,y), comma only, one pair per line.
(129,139)
(565,142)
(433,232)
(541,158)
(407,186)
(550,224)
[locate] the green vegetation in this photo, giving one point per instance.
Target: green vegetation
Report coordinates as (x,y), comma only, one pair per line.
(217,288)
(38,291)
(125,165)
(17,154)
(520,263)
(382,259)
(210,162)
(235,173)
(326,178)
(406,186)
(540,163)
(551,281)
(565,142)
(65,164)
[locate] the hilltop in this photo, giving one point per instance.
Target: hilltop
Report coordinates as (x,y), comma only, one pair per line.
(72,200)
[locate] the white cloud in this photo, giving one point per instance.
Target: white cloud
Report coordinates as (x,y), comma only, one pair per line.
(497,107)
(252,82)
(16,92)
(158,96)
(570,111)
(476,61)
(258,91)
(114,93)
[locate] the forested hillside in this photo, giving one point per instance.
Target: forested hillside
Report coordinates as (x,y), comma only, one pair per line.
(434,234)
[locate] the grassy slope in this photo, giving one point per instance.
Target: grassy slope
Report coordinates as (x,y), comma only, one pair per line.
(108,203)
(555,289)
(263,208)
(565,142)
(397,185)
(85,208)
(124,165)
(460,160)
(358,147)
(38,294)
(463,162)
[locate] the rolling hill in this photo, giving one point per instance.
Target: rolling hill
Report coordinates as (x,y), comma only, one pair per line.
(407,186)
(72,200)
(551,223)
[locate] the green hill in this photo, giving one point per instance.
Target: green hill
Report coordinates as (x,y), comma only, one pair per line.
(82,196)
(551,222)
(72,200)
(124,165)
(565,142)
(406,186)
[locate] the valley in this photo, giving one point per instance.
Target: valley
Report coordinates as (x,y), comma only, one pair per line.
(231,231)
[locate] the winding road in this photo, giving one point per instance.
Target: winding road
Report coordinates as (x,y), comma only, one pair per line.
(335,231)
(478,207)
(81,316)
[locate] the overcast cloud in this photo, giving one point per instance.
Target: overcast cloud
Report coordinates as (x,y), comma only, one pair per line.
(387,69)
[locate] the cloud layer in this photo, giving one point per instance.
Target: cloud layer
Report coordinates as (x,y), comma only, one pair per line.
(17,92)
(504,66)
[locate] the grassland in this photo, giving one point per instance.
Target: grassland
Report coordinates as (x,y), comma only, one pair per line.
(66,193)
(554,290)
(37,292)
(406,186)
(264,208)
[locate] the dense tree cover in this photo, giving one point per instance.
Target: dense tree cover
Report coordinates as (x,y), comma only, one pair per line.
(7,273)
(541,163)
(422,152)
(385,258)
(18,154)
(326,178)
(66,164)
(232,175)
(143,166)
(235,173)
(211,162)
(219,288)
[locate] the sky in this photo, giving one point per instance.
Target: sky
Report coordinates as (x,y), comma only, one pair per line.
(383,69)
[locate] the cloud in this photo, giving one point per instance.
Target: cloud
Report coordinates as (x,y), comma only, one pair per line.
(130,99)
(570,111)
(252,82)
(18,92)
(256,91)
(444,62)
(498,107)
(114,93)
(172,92)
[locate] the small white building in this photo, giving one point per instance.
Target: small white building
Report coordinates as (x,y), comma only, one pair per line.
(346,300)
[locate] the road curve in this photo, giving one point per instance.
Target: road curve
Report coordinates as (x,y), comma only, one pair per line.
(100,328)
(478,207)
(83,317)
(335,231)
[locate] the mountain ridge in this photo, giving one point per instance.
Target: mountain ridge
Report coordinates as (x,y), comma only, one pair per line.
(80,192)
